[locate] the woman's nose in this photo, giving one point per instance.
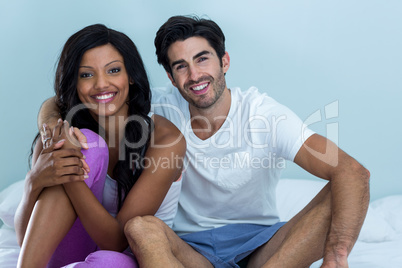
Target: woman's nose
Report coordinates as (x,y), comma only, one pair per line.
(101,82)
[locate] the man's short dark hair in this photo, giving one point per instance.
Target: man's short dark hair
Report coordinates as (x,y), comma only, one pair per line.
(179,28)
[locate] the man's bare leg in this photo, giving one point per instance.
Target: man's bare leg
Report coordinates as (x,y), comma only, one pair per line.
(156,245)
(51,219)
(300,242)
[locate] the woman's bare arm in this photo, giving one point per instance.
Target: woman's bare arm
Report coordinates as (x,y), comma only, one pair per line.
(144,198)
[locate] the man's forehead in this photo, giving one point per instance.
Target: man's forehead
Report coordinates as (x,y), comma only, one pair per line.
(188,48)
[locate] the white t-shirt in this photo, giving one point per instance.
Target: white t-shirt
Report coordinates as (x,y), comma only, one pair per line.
(232,176)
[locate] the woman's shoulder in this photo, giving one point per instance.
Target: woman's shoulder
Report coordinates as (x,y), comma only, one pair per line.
(166,133)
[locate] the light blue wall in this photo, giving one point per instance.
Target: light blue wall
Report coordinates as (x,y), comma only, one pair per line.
(306,54)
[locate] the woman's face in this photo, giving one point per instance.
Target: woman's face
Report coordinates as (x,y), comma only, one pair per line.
(103,82)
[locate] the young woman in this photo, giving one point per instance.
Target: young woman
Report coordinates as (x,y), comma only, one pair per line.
(69,209)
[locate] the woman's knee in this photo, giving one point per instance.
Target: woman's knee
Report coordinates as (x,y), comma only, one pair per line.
(97,147)
(97,158)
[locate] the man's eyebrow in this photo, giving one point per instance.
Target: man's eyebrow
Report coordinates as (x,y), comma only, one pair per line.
(176,63)
(204,52)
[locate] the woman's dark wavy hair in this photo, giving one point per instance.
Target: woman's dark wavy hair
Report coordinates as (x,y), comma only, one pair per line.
(179,28)
(125,172)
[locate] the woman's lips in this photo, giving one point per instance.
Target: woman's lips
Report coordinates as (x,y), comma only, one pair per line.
(104,97)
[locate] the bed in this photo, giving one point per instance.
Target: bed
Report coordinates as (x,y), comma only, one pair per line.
(379,243)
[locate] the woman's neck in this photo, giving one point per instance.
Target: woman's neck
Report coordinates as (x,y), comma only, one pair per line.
(112,129)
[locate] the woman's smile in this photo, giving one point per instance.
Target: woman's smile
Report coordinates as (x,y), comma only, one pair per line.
(104,97)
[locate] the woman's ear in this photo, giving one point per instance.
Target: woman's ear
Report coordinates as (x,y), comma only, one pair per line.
(131,82)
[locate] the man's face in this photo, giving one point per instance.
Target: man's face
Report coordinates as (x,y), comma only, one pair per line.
(197,71)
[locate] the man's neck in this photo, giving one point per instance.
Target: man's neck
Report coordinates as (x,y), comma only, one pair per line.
(206,122)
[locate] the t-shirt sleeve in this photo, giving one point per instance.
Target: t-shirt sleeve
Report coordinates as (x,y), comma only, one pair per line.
(287,131)
(171,107)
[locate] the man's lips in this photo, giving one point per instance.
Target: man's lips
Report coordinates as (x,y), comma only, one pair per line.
(200,88)
(104,97)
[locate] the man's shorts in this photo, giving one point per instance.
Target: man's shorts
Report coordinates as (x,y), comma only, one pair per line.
(226,246)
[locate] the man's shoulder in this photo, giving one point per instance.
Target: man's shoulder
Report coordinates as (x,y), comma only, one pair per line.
(167,98)
(253,98)
(168,103)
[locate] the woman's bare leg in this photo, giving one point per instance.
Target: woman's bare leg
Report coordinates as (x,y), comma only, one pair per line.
(51,219)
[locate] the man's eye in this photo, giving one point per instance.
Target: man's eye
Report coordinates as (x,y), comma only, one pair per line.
(202,59)
(181,66)
(85,75)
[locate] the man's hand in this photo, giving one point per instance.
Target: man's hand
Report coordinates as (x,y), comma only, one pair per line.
(340,263)
(48,113)
(334,257)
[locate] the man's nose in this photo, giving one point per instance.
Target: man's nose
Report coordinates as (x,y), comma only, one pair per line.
(194,73)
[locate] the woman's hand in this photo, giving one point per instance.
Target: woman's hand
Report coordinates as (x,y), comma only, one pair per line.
(72,138)
(59,161)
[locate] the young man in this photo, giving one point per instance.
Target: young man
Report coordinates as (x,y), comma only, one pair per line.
(227,211)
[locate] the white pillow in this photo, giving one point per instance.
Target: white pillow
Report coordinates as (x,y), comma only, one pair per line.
(375,228)
(390,208)
(294,194)
(9,248)
(9,200)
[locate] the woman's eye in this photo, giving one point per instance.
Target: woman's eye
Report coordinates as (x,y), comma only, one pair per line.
(114,70)
(85,75)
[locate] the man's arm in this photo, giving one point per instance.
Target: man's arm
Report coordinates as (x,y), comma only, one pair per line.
(349,191)
(49,113)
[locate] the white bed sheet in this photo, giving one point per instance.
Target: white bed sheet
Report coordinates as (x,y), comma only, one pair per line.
(9,248)
(379,243)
